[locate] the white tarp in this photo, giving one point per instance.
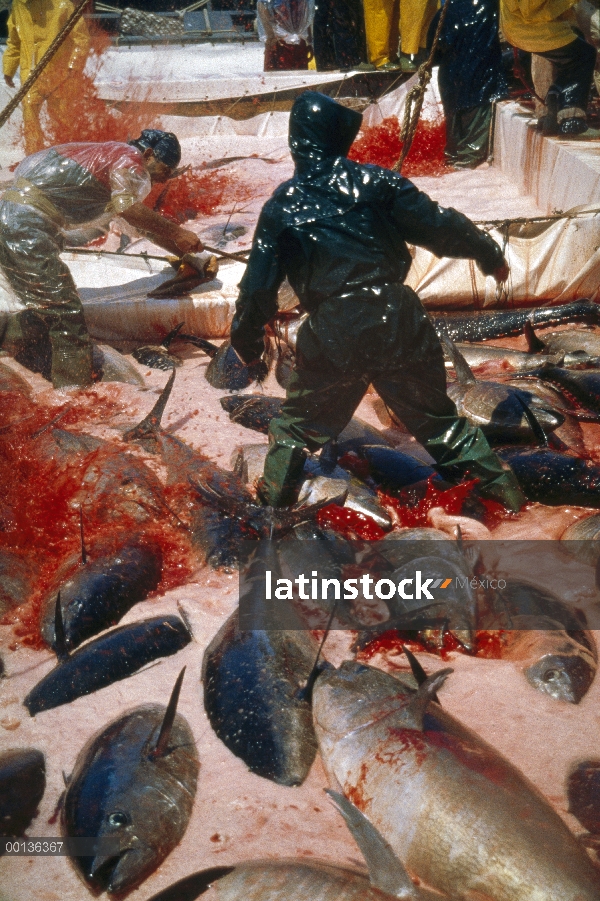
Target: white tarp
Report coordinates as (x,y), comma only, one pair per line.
(551,261)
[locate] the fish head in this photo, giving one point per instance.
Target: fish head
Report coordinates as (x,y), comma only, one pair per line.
(353,696)
(565,673)
(123,862)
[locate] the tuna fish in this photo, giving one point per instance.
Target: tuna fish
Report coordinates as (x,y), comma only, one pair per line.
(113,366)
(111,657)
(251,682)
(99,593)
(255,411)
(134,783)
(504,357)
(394,469)
(299,880)
(497,409)
(553,478)
(22,786)
(481,325)
(460,817)
(584,385)
(579,341)
(321,480)
(227,370)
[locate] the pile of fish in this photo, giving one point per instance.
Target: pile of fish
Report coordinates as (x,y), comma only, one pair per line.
(436,812)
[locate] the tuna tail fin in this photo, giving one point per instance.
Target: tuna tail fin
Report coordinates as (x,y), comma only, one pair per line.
(268,522)
(385,870)
(534,344)
(534,424)
(81,536)
(417,706)
(191,887)
(149,426)
(162,742)
(418,671)
(464,373)
(60,641)
(208,347)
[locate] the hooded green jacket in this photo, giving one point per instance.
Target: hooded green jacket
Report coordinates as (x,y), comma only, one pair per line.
(339,232)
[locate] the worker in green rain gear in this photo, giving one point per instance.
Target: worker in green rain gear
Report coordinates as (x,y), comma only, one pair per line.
(338,231)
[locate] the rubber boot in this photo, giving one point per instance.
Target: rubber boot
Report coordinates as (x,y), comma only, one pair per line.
(72,367)
(506,491)
(280,482)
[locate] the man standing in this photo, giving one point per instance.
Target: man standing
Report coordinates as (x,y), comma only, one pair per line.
(338,231)
(32,26)
(470,77)
(62,188)
(546,28)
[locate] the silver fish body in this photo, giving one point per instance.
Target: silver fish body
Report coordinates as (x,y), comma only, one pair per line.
(460,817)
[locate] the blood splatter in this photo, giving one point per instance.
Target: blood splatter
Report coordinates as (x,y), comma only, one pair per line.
(381,145)
(349,523)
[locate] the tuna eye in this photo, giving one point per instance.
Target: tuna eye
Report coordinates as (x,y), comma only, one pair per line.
(117,819)
(550,676)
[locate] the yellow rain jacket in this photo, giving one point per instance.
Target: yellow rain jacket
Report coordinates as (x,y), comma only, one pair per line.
(32,26)
(537,25)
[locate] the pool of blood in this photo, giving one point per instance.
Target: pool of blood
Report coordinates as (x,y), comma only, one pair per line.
(41,506)
(381,145)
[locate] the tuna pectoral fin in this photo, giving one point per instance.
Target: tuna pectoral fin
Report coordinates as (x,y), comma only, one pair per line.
(418,671)
(414,712)
(534,424)
(149,426)
(386,871)
(191,887)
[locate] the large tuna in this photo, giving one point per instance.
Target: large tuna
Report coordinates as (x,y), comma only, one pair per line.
(461,817)
(134,784)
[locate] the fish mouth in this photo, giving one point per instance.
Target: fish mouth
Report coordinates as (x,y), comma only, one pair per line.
(117,873)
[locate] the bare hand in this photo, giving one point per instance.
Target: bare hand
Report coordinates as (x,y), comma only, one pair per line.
(501,272)
(187,242)
(9,81)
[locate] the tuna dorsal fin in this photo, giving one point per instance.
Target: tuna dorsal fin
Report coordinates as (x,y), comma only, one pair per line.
(534,344)
(534,424)
(464,374)
(149,426)
(168,339)
(417,705)
(386,871)
(60,641)
(164,736)
(82,539)
(418,671)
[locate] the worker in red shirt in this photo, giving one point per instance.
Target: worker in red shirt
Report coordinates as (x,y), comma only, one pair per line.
(64,187)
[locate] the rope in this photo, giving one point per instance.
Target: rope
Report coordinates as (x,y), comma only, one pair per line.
(415,97)
(35,74)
